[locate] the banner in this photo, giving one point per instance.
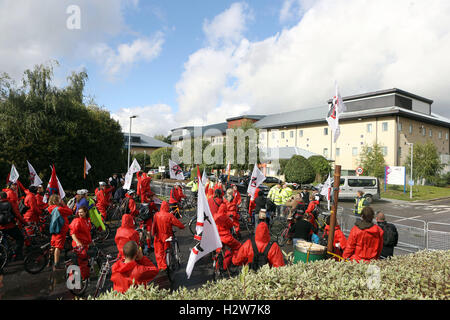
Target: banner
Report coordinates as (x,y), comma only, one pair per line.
(35,180)
(207,236)
(257,178)
(175,171)
(13,174)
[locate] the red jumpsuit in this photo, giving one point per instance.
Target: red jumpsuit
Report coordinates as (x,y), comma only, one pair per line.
(126,233)
(143,189)
(364,244)
(163,222)
(123,274)
(224,224)
(103,197)
(232,211)
(339,237)
(214,205)
(32,214)
(132,206)
(81,228)
(176,194)
(13,199)
(252,204)
(59,239)
(262,238)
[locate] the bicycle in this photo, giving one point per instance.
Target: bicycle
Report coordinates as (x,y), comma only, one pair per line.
(219,272)
(173,257)
(105,270)
(6,250)
(100,235)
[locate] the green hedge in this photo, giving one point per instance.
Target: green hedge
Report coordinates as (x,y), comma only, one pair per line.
(423,275)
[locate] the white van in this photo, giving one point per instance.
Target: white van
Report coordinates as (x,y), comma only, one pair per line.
(350,185)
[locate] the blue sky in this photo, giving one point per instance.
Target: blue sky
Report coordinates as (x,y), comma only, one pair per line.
(178,62)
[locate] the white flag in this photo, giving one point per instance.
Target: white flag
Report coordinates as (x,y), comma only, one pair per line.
(175,171)
(35,180)
(206,232)
(336,109)
(62,194)
(135,167)
(326,186)
(13,174)
(257,178)
(87,167)
(204,178)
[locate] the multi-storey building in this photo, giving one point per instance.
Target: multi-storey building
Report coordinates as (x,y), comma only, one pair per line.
(392,118)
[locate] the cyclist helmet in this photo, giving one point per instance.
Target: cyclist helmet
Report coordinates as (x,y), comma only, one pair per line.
(131,191)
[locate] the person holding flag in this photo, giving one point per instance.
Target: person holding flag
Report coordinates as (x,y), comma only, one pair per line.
(255,180)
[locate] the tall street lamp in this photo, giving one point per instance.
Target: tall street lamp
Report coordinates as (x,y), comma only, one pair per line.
(129,143)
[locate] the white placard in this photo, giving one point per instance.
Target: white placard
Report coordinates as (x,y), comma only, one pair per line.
(395,175)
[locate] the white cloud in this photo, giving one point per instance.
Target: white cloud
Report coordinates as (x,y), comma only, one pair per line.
(227,27)
(151,120)
(364,45)
(126,55)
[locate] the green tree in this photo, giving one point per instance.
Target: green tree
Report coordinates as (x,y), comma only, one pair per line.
(321,167)
(426,162)
(163,138)
(48,125)
(299,170)
(372,160)
(158,154)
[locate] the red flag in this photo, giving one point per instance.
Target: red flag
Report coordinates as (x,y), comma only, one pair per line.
(54,186)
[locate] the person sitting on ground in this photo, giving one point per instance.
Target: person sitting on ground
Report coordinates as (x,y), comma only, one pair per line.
(133,268)
(390,235)
(125,233)
(246,252)
(365,240)
(301,229)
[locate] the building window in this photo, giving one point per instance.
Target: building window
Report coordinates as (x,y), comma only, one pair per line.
(369,149)
(354,151)
(282,135)
(446,136)
(385,126)
(325,152)
(325,131)
(410,128)
(369,127)
(400,126)
(301,133)
(431,132)
(384,151)
(440,134)
(292,134)
(338,152)
(424,131)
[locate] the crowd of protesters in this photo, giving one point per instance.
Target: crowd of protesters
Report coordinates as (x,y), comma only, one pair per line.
(20,217)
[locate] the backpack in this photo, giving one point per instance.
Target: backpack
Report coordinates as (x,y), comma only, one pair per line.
(22,207)
(56,222)
(390,235)
(259,258)
(6,214)
(144,213)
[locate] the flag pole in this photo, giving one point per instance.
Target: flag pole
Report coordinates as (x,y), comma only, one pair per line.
(336,182)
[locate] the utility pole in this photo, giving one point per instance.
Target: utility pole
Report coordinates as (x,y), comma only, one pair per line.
(129,143)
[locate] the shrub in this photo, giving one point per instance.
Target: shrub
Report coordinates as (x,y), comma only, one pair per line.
(299,170)
(423,275)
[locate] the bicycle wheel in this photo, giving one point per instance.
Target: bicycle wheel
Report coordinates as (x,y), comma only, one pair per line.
(169,262)
(80,292)
(283,237)
(101,280)
(35,261)
(3,256)
(193,225)
(218,271)
(101,235)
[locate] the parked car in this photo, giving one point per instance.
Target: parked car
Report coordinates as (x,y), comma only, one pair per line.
(272,180)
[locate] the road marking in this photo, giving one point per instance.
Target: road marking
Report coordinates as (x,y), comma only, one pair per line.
(407,218)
